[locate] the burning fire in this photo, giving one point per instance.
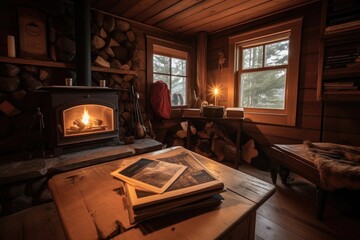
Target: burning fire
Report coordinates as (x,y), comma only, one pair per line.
(85,118)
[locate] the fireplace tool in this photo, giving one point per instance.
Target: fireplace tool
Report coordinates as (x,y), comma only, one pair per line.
(139,127)
(38,115)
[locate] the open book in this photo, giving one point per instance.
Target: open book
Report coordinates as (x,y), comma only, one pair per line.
(150,174)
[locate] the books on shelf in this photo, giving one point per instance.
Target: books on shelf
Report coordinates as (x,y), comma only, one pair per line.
(195,188)
(150,174)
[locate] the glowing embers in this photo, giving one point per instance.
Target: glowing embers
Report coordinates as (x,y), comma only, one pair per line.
(88,119)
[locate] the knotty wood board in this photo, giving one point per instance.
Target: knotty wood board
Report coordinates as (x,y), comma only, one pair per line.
(90,207)
(39,222)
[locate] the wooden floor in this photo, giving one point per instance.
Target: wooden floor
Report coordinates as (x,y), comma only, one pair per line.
(288,214)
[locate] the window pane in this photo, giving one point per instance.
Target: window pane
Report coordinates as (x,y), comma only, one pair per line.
(161,64)
(277,53)
(263,89)
(252,57)
(178,67)
(165,78)
(178,91)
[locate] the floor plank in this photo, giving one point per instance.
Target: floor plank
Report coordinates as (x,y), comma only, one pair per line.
(290,212)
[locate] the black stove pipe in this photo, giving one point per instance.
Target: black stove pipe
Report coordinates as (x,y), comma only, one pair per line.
(83,42)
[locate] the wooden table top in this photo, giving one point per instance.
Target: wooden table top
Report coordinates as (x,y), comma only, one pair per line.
(90,207)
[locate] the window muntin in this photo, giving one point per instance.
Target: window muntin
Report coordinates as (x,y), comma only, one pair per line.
(261,87)
(275,50)
(173,71)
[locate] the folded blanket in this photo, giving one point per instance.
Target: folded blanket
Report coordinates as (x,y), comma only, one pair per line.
(338,165)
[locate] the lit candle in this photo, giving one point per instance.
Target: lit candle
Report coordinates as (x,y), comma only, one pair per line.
(216,91)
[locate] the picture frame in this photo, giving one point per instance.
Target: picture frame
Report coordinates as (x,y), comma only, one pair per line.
(32,33)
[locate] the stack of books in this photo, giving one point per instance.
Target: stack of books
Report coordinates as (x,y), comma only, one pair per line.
(167,184)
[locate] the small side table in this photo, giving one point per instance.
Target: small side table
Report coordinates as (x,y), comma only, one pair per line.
(238,120)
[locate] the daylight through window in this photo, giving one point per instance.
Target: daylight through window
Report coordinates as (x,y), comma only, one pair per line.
(266,67)
(172,70)
(263,75)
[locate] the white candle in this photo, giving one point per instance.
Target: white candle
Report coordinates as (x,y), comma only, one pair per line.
(11,46)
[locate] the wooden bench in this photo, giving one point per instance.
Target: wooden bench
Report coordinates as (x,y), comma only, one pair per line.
(292,157)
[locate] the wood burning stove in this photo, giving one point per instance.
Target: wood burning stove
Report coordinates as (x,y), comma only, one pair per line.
(78,116)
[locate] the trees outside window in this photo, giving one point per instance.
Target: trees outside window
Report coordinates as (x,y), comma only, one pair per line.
(266,67)
(172,71)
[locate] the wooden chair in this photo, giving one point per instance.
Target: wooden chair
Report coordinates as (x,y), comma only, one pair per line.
(292,157)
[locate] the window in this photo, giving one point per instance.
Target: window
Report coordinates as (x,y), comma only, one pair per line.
(266,62)
(170,63)
(171,70)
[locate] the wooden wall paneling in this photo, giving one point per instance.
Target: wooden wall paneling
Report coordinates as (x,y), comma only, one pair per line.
(308,122)
(307,95)
(266,141)
(341,109)
(308,71)
(256,13)
(280,131)
(121,6)
(341,138)
(189,13)
(137,8)
(214,13)
(309,108)
(170,11)
(159,6)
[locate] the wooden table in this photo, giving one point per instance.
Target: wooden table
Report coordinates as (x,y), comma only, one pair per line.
(90,207)
(238,121)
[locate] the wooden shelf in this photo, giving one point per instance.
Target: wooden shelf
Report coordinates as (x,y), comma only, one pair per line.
(52,64)
(35,62)
(113,70)
(338,39)
(341,73)
(341,28)
(343,96)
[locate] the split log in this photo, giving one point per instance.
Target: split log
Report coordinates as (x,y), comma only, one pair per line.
(7,108)
(9,70)
(9,84)
(128,77)
(113,43)
(30,82)
(30,69)
(97,42)
(18,95)
(118,36)
(98,17)
(44,74)
(131,36)
(65,44)
(99,61)
(115,64)
(116,78)
(103,33)
(122,25)
(125,85)
(109,52)
(109,23)
(103,54)
(121,53)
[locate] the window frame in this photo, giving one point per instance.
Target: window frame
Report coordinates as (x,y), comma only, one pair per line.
(171,49)
(265,35)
